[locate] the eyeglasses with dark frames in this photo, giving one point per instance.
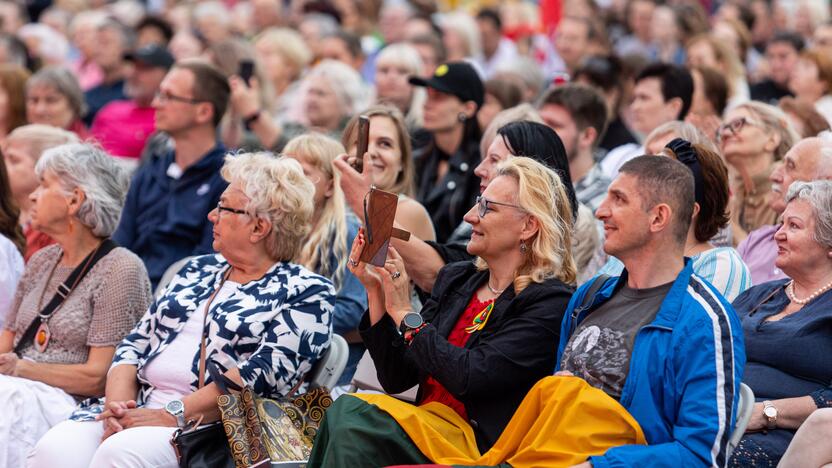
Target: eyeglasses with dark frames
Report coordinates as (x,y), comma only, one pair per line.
(734,126)
(163,97)
(221,208)
(483,205)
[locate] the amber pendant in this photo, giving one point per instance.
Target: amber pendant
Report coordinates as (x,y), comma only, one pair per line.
(42,337)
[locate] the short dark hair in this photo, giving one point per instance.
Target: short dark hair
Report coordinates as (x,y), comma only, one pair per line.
(665,180)
(352,41)
(603,71)
(716,88)
(210,85)
(489,14)
(676,82)
(713,208)
(793,39)
(159,23)
(541,143)
(585,105)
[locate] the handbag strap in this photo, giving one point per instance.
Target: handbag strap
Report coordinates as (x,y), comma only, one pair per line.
(64,290)
(202,345)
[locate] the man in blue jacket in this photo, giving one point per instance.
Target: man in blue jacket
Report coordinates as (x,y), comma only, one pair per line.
(165,214)
(658,338)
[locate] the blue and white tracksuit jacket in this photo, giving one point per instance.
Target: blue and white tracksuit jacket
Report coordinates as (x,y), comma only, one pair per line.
(684,377)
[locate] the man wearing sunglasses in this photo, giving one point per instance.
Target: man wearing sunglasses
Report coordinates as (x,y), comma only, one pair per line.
(165,215)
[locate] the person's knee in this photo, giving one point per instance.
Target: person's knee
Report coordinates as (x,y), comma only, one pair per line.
(821,420)
(114,452)
(65,438)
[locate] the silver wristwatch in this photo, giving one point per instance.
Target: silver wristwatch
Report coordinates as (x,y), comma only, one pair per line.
(177,409)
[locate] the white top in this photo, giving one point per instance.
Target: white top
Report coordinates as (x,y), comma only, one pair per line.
(824,107)
(617,156)
(170,371)
(11,267)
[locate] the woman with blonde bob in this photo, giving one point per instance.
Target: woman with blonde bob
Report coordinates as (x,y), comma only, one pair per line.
(264,322)
(482,339)
(395,64)
(326,247)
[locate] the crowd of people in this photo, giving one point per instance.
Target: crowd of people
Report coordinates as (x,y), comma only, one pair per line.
(619,212)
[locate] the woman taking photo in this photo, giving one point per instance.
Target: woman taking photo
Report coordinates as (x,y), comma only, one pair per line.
(753,137)
(390,166)
(54,97)
(263,320)
(485,335)
(334,228)
(786,324)
(77,203)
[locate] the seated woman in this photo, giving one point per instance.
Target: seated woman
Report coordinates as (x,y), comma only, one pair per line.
(391,165)
(21,150)
(54,97)
(264,321)
(525,137)
(483,338)
(334,228)
(786,324)
(12,245)
(77,203)
(720,266)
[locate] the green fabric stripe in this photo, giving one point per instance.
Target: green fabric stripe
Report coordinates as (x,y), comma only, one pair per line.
(357,434)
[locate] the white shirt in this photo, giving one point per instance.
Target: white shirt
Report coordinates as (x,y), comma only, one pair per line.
(170,371)
(11,267)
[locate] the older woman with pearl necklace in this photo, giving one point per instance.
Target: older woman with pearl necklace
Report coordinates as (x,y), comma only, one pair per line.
(786,325)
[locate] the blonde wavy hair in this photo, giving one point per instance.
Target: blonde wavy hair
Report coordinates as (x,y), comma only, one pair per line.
(328,236)
(278,190)
(773,120)
(541,194)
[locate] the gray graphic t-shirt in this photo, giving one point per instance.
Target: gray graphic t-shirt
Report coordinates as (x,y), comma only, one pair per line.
(600,348)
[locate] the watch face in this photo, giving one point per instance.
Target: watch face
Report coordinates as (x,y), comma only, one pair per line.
(770,412)
(412,320)
(174,406)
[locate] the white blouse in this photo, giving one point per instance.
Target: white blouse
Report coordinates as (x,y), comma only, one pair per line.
(11,267)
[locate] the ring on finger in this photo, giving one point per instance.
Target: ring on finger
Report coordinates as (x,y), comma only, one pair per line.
(396,274)
(353,262)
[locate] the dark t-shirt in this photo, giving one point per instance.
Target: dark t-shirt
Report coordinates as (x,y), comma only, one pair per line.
(600,348)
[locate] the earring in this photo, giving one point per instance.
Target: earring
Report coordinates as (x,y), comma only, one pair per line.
(523,247)
(462,117)
(71,226)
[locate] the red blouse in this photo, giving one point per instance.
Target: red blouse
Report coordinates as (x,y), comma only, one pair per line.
(433,390)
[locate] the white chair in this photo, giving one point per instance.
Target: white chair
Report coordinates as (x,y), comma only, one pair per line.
(171,271)
(326,372)
(744,412)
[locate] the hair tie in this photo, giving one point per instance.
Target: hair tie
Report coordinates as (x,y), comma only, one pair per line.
(687,155)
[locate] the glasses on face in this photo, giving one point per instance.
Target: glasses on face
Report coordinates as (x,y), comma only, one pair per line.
(734,126)
(483,205)
(221,208)
(164,97)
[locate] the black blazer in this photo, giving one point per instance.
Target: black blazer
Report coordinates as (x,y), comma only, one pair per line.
(498,365)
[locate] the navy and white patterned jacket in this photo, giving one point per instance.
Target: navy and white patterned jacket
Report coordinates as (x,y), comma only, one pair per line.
(272,329)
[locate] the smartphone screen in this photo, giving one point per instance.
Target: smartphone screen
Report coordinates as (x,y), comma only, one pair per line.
(246,70)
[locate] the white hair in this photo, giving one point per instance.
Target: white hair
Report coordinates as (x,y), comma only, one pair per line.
(212,9)
(818,194)
(89,168)
(345,83)
(466,27)
(824,170)
(277,190)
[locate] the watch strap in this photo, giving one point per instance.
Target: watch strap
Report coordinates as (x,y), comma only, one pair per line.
(771,421)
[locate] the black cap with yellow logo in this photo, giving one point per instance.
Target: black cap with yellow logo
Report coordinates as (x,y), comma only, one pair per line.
(456,78)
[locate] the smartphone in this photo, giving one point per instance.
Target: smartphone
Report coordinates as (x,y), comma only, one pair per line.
(246,70)
(363,142)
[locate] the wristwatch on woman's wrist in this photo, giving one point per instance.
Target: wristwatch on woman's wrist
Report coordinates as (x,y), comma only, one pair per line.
(770,412)
(410,321)
(177,409)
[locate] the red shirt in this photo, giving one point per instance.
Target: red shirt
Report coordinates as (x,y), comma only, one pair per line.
(35,240)
(433,390)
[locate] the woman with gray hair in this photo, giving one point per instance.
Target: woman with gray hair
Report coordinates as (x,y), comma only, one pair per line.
(54,97)
(786,324)
(75,301)
(269,321)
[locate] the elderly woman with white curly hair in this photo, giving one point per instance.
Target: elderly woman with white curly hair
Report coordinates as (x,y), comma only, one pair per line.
(263,320)
(75,301)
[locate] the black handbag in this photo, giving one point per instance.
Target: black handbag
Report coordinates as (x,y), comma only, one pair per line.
(204,447)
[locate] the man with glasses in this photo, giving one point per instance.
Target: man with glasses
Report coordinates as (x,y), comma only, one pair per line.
(165,215)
